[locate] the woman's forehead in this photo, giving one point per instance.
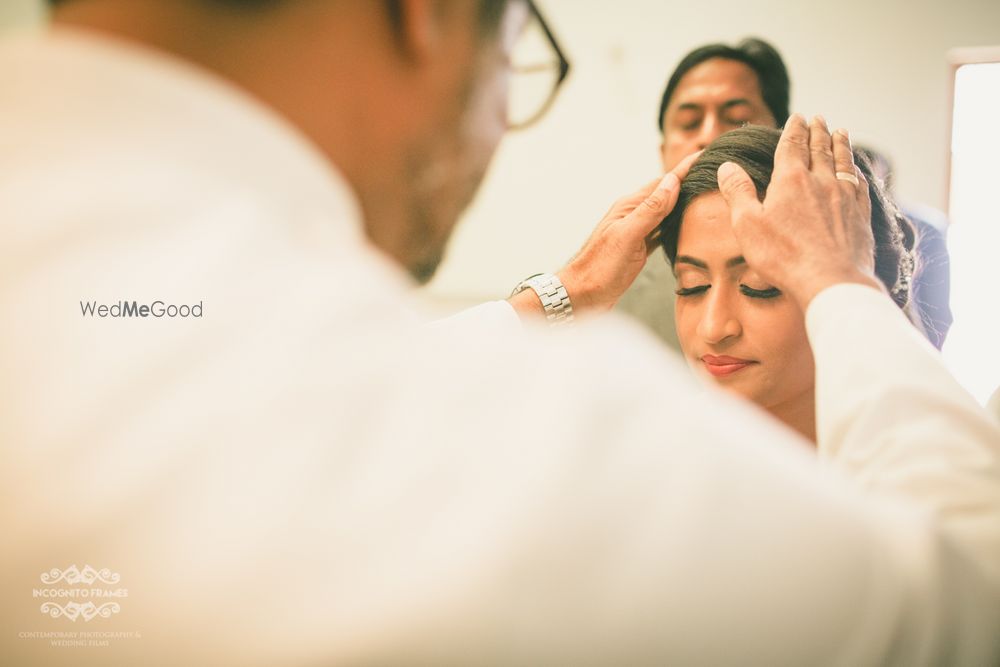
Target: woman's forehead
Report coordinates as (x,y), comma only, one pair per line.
(706,228)
(706,241)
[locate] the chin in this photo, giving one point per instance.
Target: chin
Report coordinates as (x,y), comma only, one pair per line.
(422,266)
(423,272)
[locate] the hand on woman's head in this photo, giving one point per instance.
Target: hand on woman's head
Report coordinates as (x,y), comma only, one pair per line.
(813,229)
(618,248)
(801,228)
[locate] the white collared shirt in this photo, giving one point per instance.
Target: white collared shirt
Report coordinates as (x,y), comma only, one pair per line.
(304,475)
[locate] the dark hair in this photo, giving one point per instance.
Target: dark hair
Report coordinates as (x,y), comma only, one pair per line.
(752,148)
(490,11)
(881,165)
(232,4)
(755,53)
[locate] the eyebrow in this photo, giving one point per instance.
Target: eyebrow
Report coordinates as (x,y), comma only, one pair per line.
(728,104)
(687,259)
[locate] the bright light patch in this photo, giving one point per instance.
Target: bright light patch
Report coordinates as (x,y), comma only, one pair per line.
(972,350)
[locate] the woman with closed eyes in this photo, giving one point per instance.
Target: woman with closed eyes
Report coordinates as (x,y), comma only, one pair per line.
(739,329)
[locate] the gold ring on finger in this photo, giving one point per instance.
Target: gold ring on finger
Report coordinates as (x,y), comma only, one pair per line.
(849,177)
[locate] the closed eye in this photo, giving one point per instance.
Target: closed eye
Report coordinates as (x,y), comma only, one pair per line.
(769,293)
(691,291)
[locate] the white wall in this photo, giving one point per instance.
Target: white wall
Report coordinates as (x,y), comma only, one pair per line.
(876,67)
(15,13)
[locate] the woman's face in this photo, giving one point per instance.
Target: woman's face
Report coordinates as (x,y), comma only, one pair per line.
(742,331)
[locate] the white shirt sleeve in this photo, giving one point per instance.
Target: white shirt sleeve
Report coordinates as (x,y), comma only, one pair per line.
(492,315)
(623,517)
(894,418)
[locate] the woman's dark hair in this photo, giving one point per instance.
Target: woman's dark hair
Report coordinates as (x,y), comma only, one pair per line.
(752,148)
(755,53)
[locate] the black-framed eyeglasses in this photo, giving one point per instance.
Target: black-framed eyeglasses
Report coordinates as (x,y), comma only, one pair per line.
(538,68)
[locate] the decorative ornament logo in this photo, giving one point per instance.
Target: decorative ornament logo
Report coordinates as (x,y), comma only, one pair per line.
(74,610)
(73,576)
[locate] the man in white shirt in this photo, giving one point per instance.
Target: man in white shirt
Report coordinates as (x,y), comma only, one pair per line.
(288,469)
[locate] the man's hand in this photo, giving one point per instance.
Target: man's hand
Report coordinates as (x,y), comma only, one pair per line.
(617,249)
(813,230)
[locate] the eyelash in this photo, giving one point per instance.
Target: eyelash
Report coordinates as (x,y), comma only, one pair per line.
(768,293)
(691,291)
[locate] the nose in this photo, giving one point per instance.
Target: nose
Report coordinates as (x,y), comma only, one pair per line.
(710,129)
(719,320)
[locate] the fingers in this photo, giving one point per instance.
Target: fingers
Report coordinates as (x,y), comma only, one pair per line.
(640,225)
(625,205)
(862,195)
(647,216)
(643,217)
(628,203)
(793,147)
(855,194)
(843,155)
(684,166)
(632,199)
(653,241)
(662,200)
(820,149)
(739,191)
(644,191)
(843,161)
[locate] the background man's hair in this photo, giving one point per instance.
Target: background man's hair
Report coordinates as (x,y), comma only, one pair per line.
(755,53)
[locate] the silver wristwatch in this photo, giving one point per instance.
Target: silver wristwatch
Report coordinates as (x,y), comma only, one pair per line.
(554,298)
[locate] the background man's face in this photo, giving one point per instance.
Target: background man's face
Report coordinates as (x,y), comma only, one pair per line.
(714,97)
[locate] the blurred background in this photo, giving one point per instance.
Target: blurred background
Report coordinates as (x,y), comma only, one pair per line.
(881,68)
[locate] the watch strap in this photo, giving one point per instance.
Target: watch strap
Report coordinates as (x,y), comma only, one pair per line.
(552,294)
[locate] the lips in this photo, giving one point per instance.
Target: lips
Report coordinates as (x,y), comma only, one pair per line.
(721,366)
